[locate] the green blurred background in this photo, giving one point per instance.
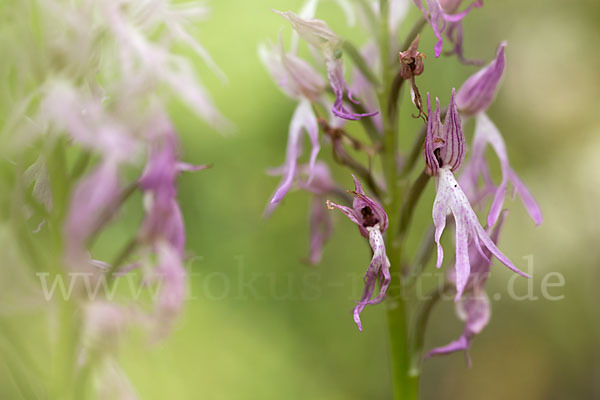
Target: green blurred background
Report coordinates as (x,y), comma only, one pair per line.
(261,324)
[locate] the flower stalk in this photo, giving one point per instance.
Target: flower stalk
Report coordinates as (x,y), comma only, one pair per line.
(405,381)
(385,219)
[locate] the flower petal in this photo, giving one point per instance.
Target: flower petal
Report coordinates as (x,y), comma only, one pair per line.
(335,73)
(453,151)
(379,268)
(478,91)
(528,201)
(487,133)
(449,195)
(95,196)
(321,228)
(314,31)
(295,76)
(475,311)
(434,139)
(303,119)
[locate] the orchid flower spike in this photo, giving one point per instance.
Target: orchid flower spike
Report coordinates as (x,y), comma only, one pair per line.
(372,221)
(444,154)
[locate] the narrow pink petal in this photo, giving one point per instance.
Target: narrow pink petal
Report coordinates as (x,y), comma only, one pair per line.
(379,267)
(433,138)
(487,133)
(363,87)
(321,228)
(453,151)
(439,213)
(312,128)
(475,310)
(186,167)
(478,91)
(172,275)
(528,201)
(303,118)
(462,211)
(497,204)
(462,266)
(358,188)
(461,344)
(348,212)
(487,242)
(338,83)
(459,16)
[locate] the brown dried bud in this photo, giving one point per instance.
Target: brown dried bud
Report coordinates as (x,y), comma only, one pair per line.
(411,61)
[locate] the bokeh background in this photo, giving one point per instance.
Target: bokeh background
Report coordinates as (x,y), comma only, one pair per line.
(261,324)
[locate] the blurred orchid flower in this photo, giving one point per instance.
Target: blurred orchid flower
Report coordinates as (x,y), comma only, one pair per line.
(303,119)
(320,186)
(158,182)
(318,34)
(321,225)
(172,275)
(163,227)
(298,79)
(94,200)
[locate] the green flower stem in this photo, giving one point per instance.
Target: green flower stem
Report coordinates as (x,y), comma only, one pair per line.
(405,387)
(68,332)
(65,352)
(394,95)
(405,380)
